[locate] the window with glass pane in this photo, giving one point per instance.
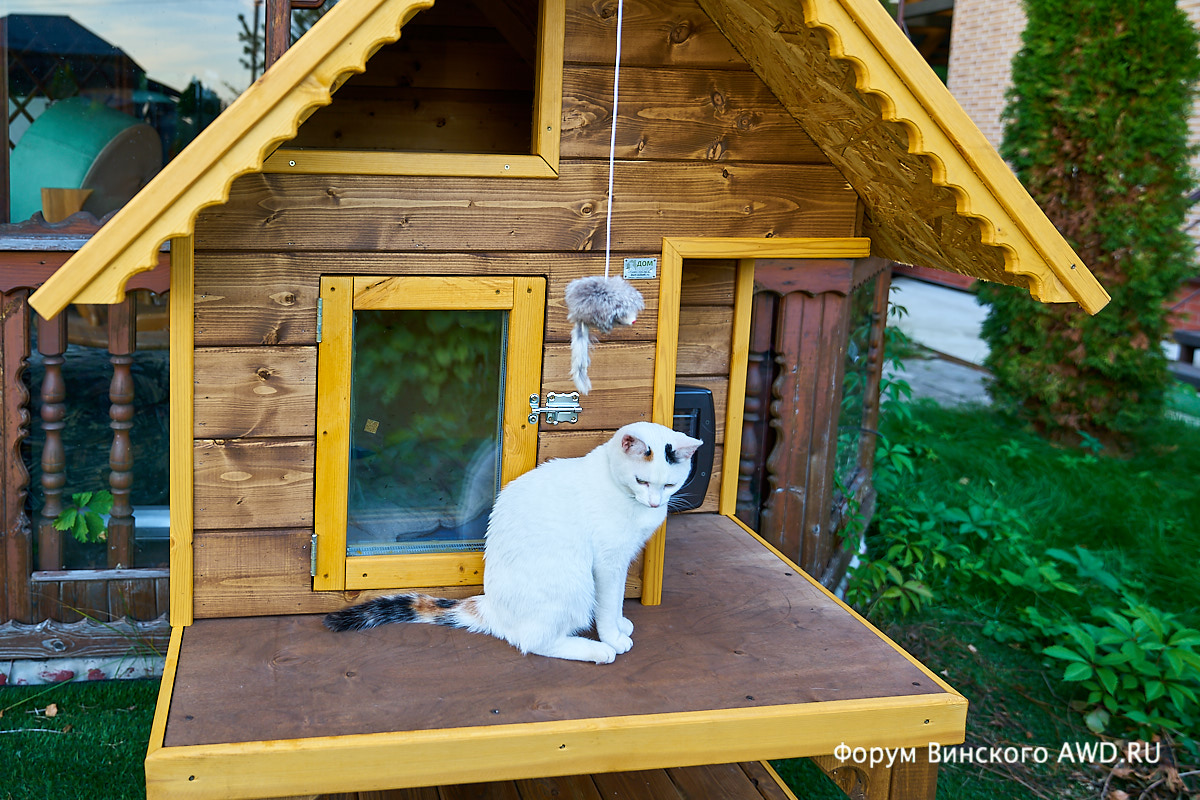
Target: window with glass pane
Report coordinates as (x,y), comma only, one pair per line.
(425,433)
(422,415)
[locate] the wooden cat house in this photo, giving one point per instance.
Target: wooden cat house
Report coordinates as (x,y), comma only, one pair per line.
(390,216)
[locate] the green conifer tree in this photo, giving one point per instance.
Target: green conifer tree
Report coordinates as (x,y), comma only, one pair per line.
(1097,131)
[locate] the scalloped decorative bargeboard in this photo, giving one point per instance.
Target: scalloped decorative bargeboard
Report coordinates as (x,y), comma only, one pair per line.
(937,193)
(239,141)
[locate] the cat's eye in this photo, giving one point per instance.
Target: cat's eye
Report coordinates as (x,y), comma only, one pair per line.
(669,485)
(642,482)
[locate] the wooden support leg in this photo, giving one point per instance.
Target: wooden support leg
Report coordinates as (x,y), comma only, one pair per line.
(904,780)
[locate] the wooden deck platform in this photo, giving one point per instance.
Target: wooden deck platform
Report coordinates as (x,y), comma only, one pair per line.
(745,659)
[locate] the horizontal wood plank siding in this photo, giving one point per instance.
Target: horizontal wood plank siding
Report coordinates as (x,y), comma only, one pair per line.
(657,33)
(253,483)
(255,392)
(355,212)
(693,115)
(703,149)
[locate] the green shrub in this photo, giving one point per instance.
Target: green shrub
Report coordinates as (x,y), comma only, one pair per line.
(1097,130)
(962,519)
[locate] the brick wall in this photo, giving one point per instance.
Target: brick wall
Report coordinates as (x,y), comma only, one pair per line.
(984,37)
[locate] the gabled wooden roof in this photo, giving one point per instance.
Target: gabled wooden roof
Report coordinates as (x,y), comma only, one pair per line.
(936,192)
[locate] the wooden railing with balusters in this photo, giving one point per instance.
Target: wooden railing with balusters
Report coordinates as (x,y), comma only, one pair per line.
(788,486)
(46,608)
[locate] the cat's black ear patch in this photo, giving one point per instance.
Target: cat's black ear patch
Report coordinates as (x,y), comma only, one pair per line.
(669,452)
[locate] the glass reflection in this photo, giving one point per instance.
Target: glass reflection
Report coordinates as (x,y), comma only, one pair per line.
(425,430)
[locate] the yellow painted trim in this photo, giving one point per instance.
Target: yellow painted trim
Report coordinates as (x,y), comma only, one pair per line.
(777,247)
(525,300)
(735,402)
(410,571)
(430,293)
(888,65)
(182,393)
(547,116)
(787,792)
(238,142)
(158,728)
(334,361)
(670,278)
(523,376)
(932,676)
(368,762)
(383,162)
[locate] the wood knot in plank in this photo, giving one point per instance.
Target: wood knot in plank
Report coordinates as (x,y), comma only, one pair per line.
(681,32)
(747,120)
(284,298)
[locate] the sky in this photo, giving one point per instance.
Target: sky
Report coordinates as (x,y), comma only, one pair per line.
(173,40)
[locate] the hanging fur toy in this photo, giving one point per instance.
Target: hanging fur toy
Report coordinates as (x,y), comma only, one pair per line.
(599,304)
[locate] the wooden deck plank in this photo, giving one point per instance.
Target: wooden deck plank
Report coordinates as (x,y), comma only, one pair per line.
(568,787)
(495,790)
(737,629)
(766,780)
(636,785)
(747,781)
(728,781)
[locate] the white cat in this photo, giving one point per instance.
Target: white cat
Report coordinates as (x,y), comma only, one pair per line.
(559,543)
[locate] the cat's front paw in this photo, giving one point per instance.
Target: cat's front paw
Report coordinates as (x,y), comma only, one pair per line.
(605,653)
(621,644)
(624,626)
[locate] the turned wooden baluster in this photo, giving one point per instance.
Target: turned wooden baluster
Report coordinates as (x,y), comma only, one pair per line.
(756,430)
(52,343)
(810,339)
(121,346)
(16,545)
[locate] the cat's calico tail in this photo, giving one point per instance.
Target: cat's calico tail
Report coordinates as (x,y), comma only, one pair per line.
(462,613)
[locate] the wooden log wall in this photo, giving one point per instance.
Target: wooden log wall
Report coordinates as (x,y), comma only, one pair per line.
(703,150)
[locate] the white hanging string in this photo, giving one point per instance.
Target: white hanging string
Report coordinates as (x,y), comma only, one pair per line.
(612,142)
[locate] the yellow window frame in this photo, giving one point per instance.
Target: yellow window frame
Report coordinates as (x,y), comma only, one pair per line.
(525,300)
(541,162)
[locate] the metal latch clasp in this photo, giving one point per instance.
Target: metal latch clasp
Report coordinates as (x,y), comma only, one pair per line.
(558,408)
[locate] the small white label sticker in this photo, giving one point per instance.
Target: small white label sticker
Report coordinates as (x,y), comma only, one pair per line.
(641,268)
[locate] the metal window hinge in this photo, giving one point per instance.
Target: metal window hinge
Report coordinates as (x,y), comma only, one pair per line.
(558,408)
(320,314)
(312,557)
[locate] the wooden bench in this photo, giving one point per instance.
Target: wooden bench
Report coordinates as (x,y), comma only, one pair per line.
(745,659)
(1184,368)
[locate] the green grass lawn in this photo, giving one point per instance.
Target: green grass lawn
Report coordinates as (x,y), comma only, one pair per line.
(82,740)
(1139,509)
